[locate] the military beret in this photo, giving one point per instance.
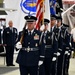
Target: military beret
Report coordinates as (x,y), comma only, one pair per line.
(30,18)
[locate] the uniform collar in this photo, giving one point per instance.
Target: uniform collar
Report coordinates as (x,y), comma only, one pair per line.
(11,28)
(59,27)
(31,31)
(45,31)
(52,28)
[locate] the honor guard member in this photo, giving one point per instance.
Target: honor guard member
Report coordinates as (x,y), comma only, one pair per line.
(54,30)
(9,40)
(60,46)
(60,53)
(69,52)
(66,41)
(44,33)
(31,48)
(71,48)
(50,48)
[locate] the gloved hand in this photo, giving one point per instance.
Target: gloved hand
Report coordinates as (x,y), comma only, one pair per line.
(66,52)
(40,63)
(54,59)
(18,45)
(70,44)
(58,53)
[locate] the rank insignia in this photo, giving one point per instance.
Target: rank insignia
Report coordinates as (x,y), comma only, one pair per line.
(36,37)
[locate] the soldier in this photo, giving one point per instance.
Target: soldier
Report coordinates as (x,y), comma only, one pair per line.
(54,31)
(44,33)
(9,40)
(50,48)
(60,46)
(31,47)
(68,50)
(71,48)
(66,40)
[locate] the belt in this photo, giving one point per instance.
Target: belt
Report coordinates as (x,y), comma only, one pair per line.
(67,47)
(30,49)
(48,46)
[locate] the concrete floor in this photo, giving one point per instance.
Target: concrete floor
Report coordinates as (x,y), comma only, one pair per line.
(72,67)
(4,70)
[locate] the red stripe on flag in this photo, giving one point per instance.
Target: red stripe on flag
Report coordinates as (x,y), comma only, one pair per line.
(39,21)
(39,13)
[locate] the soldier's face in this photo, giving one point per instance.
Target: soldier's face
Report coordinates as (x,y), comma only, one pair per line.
(31,25)
(10,24)
(53,22)
(58,23)
(46,27)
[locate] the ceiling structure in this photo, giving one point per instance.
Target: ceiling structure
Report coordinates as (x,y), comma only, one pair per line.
(2,12)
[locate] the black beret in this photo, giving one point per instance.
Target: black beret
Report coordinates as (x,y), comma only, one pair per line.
(30,18)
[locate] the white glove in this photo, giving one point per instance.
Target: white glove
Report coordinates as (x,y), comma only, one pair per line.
(58,54)
(18,45)
(66,52)
(40,63)
(70,44)
(54,59)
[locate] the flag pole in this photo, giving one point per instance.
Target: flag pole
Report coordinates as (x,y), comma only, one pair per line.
(23,33)
(43,9)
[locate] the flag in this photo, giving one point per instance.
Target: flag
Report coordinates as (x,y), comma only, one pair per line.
(28,6)
(39,12)
(46,13)
(52,7)
(46,9)
(59,7)
(60,3)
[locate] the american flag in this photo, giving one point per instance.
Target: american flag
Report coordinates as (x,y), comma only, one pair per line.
(46,13)
(39,12)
